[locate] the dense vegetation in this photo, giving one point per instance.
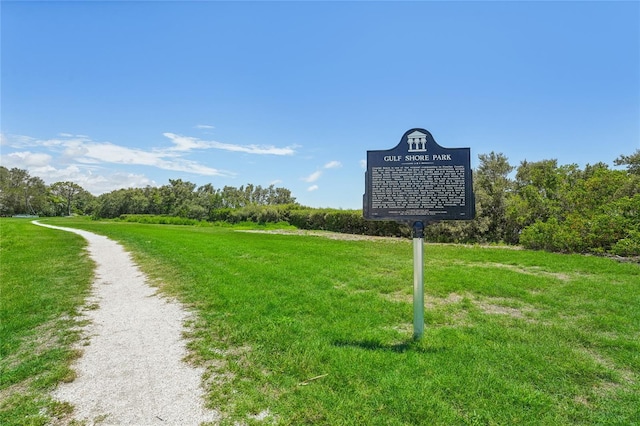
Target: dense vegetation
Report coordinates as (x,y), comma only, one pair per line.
(542,205)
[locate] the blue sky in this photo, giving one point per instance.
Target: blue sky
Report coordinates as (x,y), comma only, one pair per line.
(127,94)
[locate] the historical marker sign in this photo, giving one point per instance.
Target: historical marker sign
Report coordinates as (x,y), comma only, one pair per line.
(419,181)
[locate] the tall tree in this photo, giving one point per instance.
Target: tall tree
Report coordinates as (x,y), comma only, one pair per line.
(177,196)
(21,193)
(280,196)
(535,193)
(208,198)
(493,187)
(631,161)
(67,192)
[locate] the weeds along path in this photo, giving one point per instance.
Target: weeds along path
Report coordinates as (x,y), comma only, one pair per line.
(131,372)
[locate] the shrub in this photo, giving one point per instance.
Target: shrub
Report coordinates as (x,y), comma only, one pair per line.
(158,219)
(629,246)
(540,235)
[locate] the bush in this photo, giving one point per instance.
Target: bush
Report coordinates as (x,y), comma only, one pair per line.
(220,215)
(269,215)
(541,235)
(345,221)
(158,219)
(298,218)
(629,246)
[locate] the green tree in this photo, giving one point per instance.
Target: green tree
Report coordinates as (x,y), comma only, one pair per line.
(232,197)
(536,193)
(492,188)
(208,198)
(631,161)
(280,196)
(177,197)
(154,200)
(70,195)
(21,193)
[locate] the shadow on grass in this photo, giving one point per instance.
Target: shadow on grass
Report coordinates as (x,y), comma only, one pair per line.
(372,345)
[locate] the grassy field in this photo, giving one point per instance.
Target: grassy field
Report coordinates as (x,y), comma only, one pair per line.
(312,330)
(44,279)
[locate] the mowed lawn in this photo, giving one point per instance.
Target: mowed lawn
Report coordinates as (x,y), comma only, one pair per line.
(44,280)
(297,329)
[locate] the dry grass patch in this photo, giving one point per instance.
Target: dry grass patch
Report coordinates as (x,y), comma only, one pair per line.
(627,377)
(326,234)
(528,270)
(488,305)
(505,306)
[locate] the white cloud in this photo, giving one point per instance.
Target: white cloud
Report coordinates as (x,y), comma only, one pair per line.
(80,149)
(17,141)
(333,165)
(185,143)
(119,180)
(313,176)
(107,152)
(312,188)
(204,126)
(74,149)
(92,164)
(96,180)
(275,182)
(26,159)
(79,159)
(363,164)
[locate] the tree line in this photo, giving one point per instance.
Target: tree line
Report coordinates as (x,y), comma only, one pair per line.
(183,199)
(22,194)
(542,205)
(553,207)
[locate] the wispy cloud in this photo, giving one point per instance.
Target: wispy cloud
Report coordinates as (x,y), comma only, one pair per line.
(82,149)
(204,126)
(316,175)
(186,143)
(86,162)
(313,176)
(96,179)
(333,165)
(312,188)
(27,159)
(91,163)
(90,152)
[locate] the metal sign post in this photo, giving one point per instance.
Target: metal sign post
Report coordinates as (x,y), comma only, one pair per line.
(418,182)
(418,280)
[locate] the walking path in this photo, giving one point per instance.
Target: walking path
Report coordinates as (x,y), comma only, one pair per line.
(131,372)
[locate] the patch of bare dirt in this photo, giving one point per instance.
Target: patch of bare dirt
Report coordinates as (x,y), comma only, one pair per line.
(530,270)
(325,234)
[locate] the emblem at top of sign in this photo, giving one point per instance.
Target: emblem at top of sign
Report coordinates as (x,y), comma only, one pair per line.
(417,141)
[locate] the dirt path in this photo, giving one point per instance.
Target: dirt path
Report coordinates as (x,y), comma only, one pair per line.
(131,372)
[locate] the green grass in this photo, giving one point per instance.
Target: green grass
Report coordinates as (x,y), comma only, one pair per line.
(319,331)
(44,278)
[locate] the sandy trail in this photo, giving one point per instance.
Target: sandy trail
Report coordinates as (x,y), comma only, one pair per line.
(132,372)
